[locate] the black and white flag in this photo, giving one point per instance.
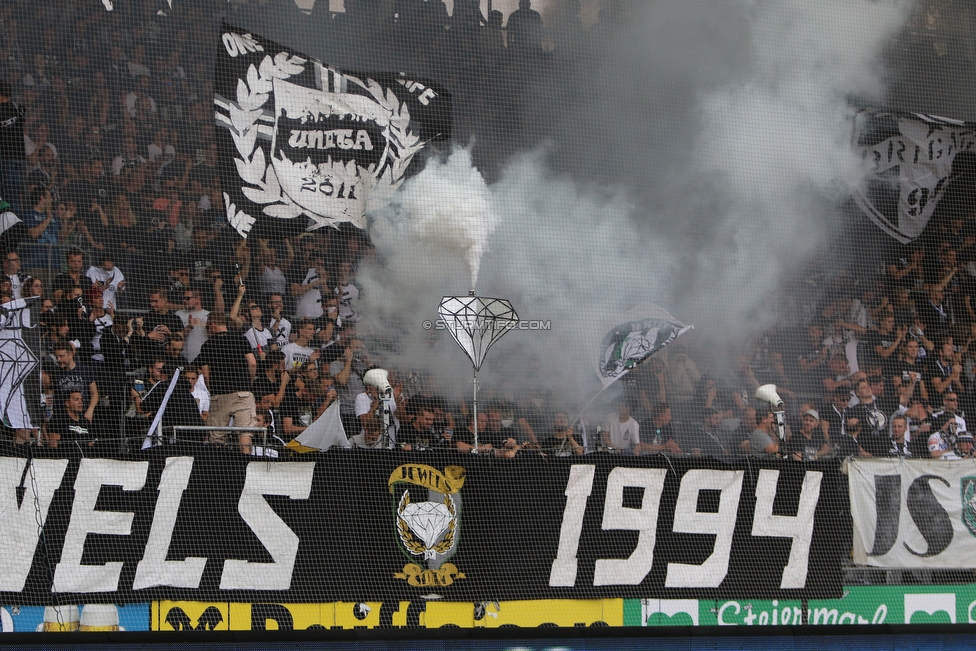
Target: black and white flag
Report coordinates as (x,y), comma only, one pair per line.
(633,337)
(909,159)
(307,139)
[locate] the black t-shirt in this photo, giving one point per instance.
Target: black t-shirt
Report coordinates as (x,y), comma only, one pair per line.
(560,447)
(874,437)
(497,439)
(845,446)
(935,317)
(935,368)
(301,411)
(657,435)
(226,355)
(182,408)
(806,447)
(84,194)
(71,430)
(66,381)
(867,357)
(152,319)
(262,386)
(421,440)
(64,282)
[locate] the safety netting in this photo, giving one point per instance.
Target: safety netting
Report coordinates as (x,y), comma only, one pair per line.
(486,313)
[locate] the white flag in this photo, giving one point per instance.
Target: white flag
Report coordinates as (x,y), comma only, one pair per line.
(324,432)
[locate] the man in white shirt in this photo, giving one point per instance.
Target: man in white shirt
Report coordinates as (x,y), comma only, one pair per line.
(11,269)
(194,319)
(257,335)
(367,404)
(622,433)
(280,326)
(309,293)
(348,292)
(298,353)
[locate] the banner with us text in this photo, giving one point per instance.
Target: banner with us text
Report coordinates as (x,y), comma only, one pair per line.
(206,525)
(919,513)
(303,144)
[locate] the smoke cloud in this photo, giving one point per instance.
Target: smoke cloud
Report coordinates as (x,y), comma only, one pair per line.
(704,164)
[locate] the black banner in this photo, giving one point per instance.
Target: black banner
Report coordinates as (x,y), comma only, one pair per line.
(908,161)
(297,137)
(210,525)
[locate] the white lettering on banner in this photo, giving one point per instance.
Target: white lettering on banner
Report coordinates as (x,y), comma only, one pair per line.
(70,575)
(578,488)
(726,606)
(632,570)
(293,480)
(799,528)
(687,519)
(759,614)
(919,513)
(414,86)
(154,569)
(336,138)
(237,44)
(21,525)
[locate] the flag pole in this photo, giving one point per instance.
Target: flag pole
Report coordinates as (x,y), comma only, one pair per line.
(579,416)
(475,410)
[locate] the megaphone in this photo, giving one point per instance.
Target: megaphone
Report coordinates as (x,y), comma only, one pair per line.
(379,378)
(767,393)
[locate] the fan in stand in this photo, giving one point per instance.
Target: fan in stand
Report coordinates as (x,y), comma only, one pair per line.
(476,323)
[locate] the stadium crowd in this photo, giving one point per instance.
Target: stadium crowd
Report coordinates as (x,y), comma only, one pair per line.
(114,219)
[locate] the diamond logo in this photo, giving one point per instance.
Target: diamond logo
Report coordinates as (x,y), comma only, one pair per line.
(428,529)
(428,520)
(477,322)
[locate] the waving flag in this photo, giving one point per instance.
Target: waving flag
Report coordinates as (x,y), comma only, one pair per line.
(909,158)
(640,333)
(306,145)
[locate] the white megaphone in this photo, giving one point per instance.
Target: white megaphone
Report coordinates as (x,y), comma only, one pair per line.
(767,393)
(379,378)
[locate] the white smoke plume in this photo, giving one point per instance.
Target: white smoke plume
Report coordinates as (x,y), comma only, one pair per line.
(703,165)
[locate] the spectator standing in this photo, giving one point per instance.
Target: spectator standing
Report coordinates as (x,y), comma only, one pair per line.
(194,319)
(525,29)
(659,434)
(299,353)
(106,280)
(71,376)
(280,326)
(348,374)
(310,291)
(228,365)
(11,270)
(560,442)
(73,277)
(874,438)
(43,231)
(707,439)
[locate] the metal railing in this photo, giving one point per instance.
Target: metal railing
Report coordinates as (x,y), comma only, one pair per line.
(176,429)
